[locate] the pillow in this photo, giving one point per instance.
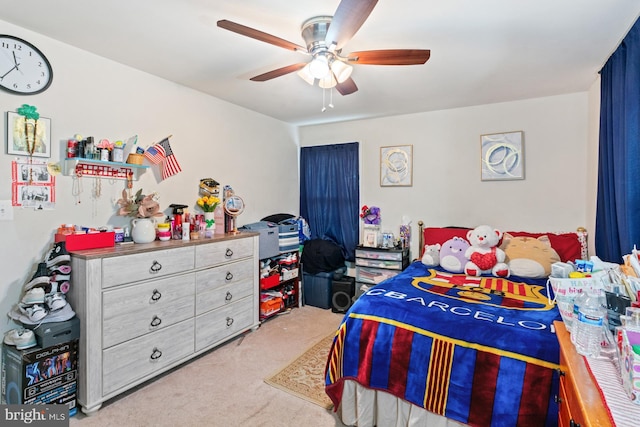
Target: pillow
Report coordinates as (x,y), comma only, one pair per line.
(529,256)
(568,246)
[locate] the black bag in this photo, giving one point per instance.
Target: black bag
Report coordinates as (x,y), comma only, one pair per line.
(319,256)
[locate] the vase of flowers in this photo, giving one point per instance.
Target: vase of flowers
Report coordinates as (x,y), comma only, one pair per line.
(144,209)
(208,204)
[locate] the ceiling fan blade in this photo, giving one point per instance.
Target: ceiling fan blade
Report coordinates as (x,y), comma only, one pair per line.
(347,87)
(347,20)
(259,35)
(279,72)
(390,57)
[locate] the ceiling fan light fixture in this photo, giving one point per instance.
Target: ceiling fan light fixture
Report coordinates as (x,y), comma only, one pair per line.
(328,82)
(341,70)
(306,75)
(319,66)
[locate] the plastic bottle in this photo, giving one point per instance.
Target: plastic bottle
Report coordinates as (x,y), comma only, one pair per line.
(577,302)
(588,329)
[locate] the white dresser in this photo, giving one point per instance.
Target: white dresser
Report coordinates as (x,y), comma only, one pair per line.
(146,308)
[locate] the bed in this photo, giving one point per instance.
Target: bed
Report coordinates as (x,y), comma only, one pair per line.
(433,348)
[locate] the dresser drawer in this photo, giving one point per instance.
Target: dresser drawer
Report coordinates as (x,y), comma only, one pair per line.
(135,359)
(373,276)
(131,311)
(147,265)
(379,263)
(214,326)
(379,255)
(221,252)
(224,285)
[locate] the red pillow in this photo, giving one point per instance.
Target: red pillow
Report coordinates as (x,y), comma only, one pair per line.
(566,245)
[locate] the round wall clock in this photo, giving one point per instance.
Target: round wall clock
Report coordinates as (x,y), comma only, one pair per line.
(24,70)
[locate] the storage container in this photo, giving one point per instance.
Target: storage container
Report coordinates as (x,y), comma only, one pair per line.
(317,289)
(268,240)
(78,242)
(288,238)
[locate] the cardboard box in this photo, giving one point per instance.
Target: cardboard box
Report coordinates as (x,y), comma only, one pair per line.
(41,375)
(78,242)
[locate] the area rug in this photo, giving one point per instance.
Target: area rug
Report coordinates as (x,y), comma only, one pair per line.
(304,376)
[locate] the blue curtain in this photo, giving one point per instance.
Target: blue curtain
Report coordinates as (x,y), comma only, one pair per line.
(618,206)
(330,194)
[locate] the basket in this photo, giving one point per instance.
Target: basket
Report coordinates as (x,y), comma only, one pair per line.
(135,159)
(566,290)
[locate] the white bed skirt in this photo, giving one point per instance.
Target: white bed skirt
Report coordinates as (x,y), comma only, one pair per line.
(364,407)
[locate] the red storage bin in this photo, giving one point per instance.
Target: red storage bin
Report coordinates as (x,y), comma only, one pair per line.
(78,242)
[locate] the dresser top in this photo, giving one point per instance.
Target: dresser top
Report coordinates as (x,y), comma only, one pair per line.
(132,248)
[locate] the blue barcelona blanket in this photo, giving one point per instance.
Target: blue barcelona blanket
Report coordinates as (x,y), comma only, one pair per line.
(479,350)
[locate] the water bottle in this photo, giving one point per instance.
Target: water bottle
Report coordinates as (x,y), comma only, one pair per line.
(588,329)
(577,302)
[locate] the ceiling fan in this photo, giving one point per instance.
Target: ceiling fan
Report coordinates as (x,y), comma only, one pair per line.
(325,36)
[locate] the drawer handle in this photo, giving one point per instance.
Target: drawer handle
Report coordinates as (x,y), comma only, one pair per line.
(557,399)
(228,297)
(560,372)
(156,354)
(229,321)
(229,276)
(573,423)
(229,253)
(156,295)
(156,321)
(155,267)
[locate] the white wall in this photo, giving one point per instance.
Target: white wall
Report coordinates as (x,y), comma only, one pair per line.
(94,96)
(447,189)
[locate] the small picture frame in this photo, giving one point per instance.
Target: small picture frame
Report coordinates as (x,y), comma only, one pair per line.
(396,166)
(16,139)
(371,237)
(502,156)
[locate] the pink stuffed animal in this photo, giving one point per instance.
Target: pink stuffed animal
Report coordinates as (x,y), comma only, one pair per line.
(484,255)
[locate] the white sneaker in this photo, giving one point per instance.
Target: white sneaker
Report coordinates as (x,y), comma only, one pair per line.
(35,312)
(20,338)
(33,296)
(55,301)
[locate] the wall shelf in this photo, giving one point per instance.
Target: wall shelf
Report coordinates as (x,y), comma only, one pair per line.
(99,168)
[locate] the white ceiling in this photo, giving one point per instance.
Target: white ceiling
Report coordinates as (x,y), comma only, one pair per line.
(482,51)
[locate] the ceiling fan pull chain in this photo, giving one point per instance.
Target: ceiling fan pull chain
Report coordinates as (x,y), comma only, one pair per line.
(323,101)
(331,98)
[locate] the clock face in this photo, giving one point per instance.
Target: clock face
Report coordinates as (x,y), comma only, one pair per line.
(23,68)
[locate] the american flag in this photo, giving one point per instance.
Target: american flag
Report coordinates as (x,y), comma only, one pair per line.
(153,155)
(170,166)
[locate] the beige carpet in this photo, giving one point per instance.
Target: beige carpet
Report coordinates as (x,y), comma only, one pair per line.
(226,387)
(304,377)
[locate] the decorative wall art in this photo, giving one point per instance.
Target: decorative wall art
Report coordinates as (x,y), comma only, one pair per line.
(396,166)
(502,156)
(38,143)
(33,185)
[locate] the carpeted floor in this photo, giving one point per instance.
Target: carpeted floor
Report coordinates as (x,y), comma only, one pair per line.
(304,377)
(226,386)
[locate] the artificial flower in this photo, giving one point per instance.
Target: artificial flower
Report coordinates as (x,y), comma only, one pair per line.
(208,203)
(139,206)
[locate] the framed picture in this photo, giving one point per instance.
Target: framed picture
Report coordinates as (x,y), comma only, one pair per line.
(396,166)
(371,237)
(39,134)
(502,156)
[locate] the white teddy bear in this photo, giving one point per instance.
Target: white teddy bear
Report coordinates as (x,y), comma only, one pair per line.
(431,256)
(484,255)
